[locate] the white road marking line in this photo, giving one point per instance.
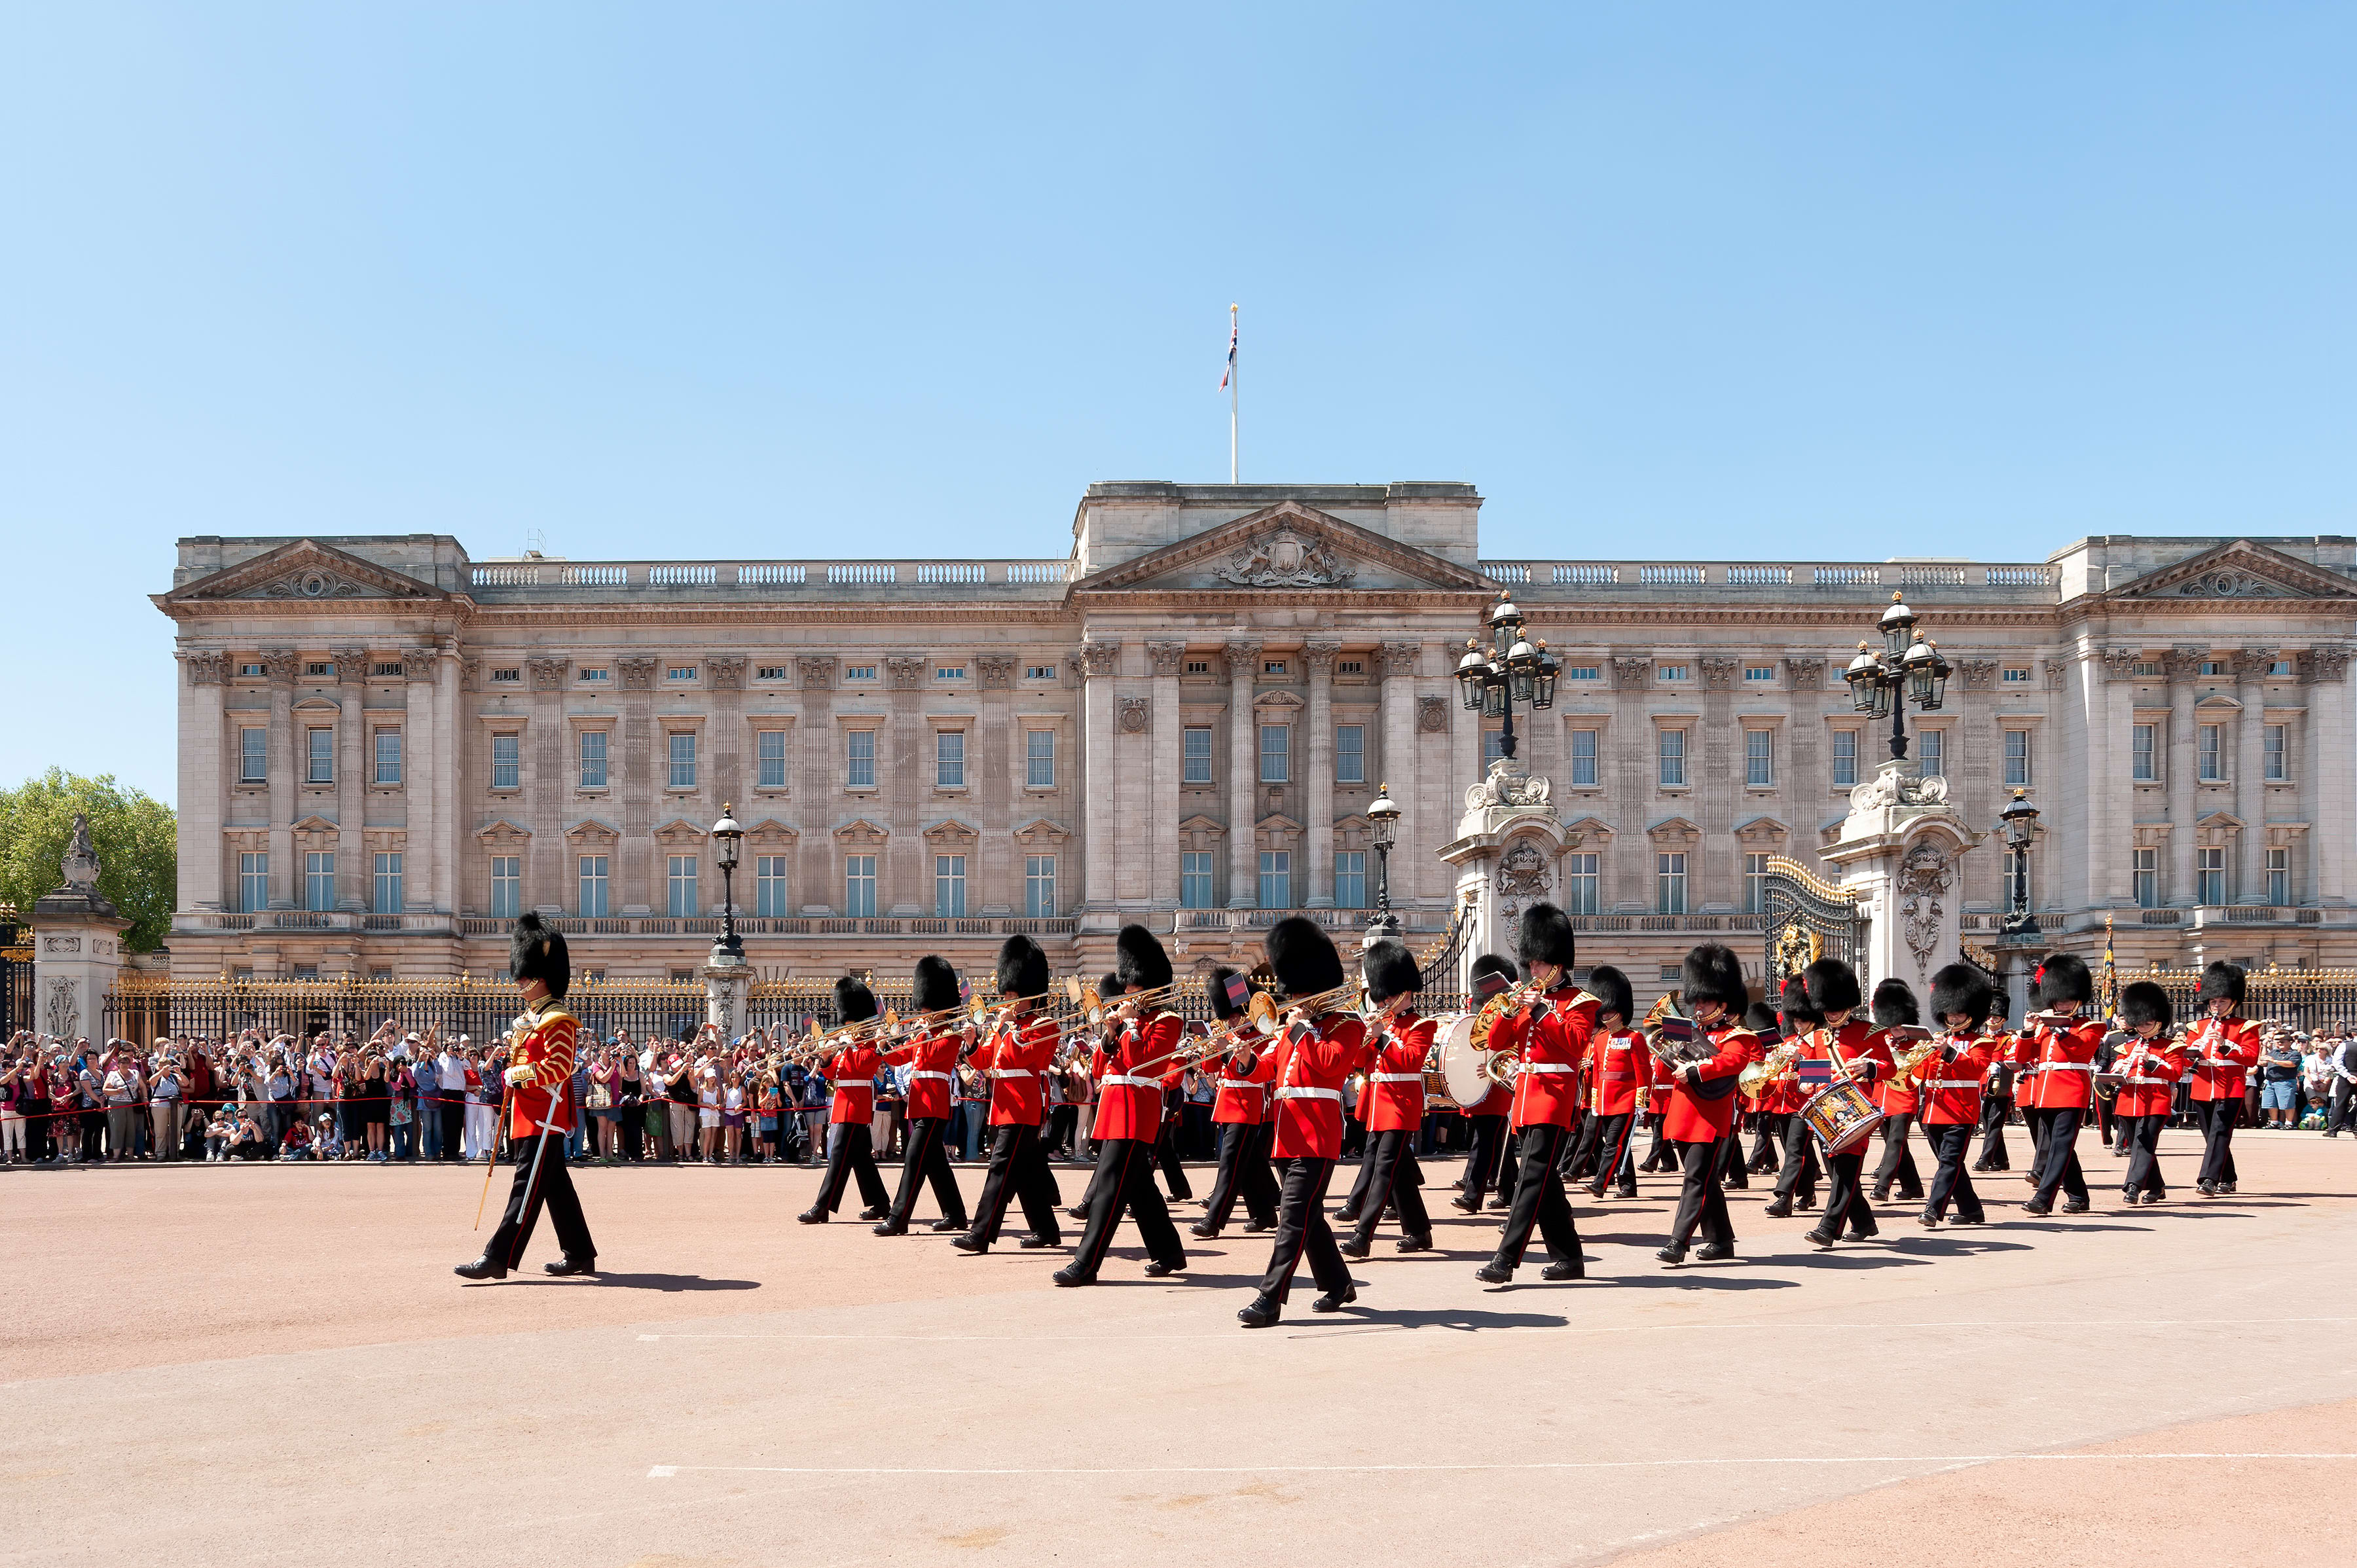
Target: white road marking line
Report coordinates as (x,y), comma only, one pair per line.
(1335,1330)
(1952,1461)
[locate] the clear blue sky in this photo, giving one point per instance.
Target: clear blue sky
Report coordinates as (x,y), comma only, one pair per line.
(1743,280)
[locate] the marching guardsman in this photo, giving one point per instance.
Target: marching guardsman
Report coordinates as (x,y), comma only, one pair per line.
(1950,1082)
(540,1079)
(1661,1155)
(1700,1116)
(1894,1007)
(850,1119)
(1997,1085)
(2061,1078)
(1361,1115)
(1552,1032)
(1016,1055)
(930,1055)
(2223,1049)
(1485,1120)
(1844,1046)
(1621,1068)
(1085,1045)
(2149,1064)
(1322,1043)
(1796,1179)
(1143,1037)
(1400,1043)
(1765,1110)
(1241,1112)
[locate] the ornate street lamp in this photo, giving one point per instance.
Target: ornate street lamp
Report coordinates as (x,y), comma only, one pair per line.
(1514,670)
(727,841)
(1910,669)
(1383,824)
(2020,819)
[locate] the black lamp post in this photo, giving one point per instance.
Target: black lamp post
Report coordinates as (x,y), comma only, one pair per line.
(2020,819)
(727,841)
(1908,668)
(1383,823)
(1514,670)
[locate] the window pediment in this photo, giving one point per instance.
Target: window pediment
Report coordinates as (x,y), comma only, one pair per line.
(678,832)
(860,834)
(1041,832)
(950,833)
(591,831)
(770,832)
(500,832)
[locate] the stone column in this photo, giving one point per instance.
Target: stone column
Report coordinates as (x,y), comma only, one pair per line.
(906,884)
(725,674)
(1097,664)
(1244,778)
(2326,784)
(816,794)
(206,776)
(2250,774)
(1898,848)
(427,805)
(286,769)
(1167,659)
(2184,666)
(1715,876)
(727,980)
(355,877)
(638,766)
(995,889)
(77,947)
(1629,863)
(1318,796)
(1395,665)
(548,767)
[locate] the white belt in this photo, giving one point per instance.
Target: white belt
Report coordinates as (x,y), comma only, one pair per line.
(1952,1083)
(1012,1072)
(1396,1077)
(1334,1094)
(929,1076)
(2150,1080)
(1549,1067)
(2066,1067)
(1239,1083)
(1131,1080)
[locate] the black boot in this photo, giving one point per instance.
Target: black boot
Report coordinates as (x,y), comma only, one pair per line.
(482,1268)
(1262,1313)
(564,1267)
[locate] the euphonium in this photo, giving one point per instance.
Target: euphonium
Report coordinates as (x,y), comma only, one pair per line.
(1759,1075)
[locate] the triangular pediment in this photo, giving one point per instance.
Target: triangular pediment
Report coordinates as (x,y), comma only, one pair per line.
(2241,571)
(1287,548)
(302,571)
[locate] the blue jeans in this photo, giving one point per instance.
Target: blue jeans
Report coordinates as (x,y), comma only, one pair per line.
(400,1136)
(2274,1094)
(429,1124)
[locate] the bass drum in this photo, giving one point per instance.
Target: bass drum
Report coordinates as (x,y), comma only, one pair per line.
(1453,1075)
(1841,1115)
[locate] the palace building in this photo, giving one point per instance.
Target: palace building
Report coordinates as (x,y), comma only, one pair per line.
(388,748)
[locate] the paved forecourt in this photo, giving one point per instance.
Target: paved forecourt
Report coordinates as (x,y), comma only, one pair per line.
(258,1364)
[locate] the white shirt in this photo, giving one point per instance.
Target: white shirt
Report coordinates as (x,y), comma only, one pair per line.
(451,1071)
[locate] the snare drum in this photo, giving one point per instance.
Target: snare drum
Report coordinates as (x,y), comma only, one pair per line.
(1841,1115)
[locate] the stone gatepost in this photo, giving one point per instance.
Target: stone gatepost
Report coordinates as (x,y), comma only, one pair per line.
(1897,852)
(77,947)
(727,983)
(1506,851)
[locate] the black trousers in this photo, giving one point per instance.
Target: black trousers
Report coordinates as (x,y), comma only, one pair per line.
(1898,1159)
(1539,1199)
(1579,1148)
(1019,1169)
(2344,1097)
(1845,1201)
(2058,1155)
(453,1114)
(1396,1178)
(1483,1155)
(1798,1177)
(1731,1173)
(541,1178)
(1244,1173)
(2105,1118)
(2140,1136)
(1301,1231)
(1659,1154)
(1063,1126)
(1363,1178)
(1992,1155)
(1701,1203)
(1166,1154)
(1951,1140)
(1766,1142)
(850,1151)
(928,1161)
(1616,1163)
(2217,1118)
(1125,1182)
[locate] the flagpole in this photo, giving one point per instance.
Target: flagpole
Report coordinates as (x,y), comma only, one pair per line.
(1232,379)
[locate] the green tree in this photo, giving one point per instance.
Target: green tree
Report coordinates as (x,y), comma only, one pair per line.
(136,837)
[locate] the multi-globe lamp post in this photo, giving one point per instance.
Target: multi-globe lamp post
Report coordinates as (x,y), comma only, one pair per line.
(727,842)
(2020,819)
(1383,827)
(1908,667)
(1516,669)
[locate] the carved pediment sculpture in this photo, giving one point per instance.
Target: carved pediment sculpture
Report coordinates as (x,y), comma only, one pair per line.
(1285,558)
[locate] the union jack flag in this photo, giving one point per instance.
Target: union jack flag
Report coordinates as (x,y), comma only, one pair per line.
(1229,374)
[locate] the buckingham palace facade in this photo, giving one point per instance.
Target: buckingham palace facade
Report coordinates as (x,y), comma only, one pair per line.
(388,748)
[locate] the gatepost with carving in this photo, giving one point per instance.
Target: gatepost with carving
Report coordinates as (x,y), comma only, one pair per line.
(1897,852)
(76,946)
(1508,846)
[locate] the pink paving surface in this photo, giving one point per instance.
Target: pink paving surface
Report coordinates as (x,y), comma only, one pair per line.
(265,1365)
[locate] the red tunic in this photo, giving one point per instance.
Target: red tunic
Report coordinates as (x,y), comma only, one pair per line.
(2149,1073)
(2062,1062)
(1951,1090)
(2221,1050)
(1130,1075)
(1546,1093)
(1312,1060)
(852,1071)
(1622,1058)
(1691,1119)
(1243,1094)
(547,1049)
(1013,1058)
(1396,1074)
(1892,1095)
(930,1058)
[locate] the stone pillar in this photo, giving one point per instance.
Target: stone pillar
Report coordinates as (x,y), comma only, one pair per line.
(1097,664)
(434,795)
(2111,741)
(286,763)
(1900,848)
(548,767)
(2250,774)
(1395,663)
(638,766)
(1004,808)
(2325,783)
(77,947)
(728,980)
(1244,778)
(904,878)
(1509,804)
(1167,659)
(207,770)
(2184,666)
(816,793)
(1318,796)
(354,875)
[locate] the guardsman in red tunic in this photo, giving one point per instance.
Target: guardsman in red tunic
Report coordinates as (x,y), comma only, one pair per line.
(1797,1175)
(1950,1083)
(540,1085)
(1894,1008)
(2149,1064)
(930,1055)
(1551,1033)
(1321,1045)
(1619,1067)
(1485,1120)
(1015,1055)
(851,1118)
(1241,1112)
(1700,1115)
(1844,1046)
(1400,1042)
(1996,1086)
(2223,1047)
(2062,1075)
(1130,1066)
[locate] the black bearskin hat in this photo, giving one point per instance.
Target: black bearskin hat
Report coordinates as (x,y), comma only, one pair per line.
(1391,971)
(1833,986)
(1022,968)
(2063,977)
(1303,958)
(2221,982)
(935,986)
(1894,1003)
(1760,1019)
(2141,1002)
(1490,968)
(1109,986)
(1793,1002)
(1611,990)
(1544,937)
(1712,972)
(536,953)
(854,1000)
(1961,988)
(1215,986)
(1139,960)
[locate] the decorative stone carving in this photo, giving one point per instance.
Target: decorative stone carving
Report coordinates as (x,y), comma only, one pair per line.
(1431,715)
(1284,559)
(1892,787)
(1509,784)
(724,671)
(1926,875)
(904,672)
(62,1016)
(2325,663)
(638,673)
(1096,659)
(2119,663)
(1133,713)
(1398,658)
(417,663)
(80,865)
(280,664)
(548,674)
(2184,661)
(2229,583)
(314,585)
(1319,657)
(2055,671)
(1718,674)
(61,944)
(351,665)
(816,672)
(2253,663)
(1167,658)
(1521,878)
(995,672)
(1243,660)
(1806,674)
(1632,673)
(1979,674)
(208,668)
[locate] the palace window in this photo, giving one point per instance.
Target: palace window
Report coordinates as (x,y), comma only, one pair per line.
(384,667)
(2280,670)
(679,886)
(1272,665)
(1672,758)
(770,886)
(948,760)
(1039,672)
(2214,667)
(1754,674)
(592,885)
(859,759)
(2014,675)
(2017,759)
(1493,747)
(1351,755)
(253,756)
(1583,672)
(2212,748)
(2145,865)
(1276,753)
(1351,667)
(252,882)
(1195,747)
(1931,752)
(1040,759)
(948,886)
(2144,763)
(249,671)
(1350,880)
(859,884)
(319,668)
(2278,876)
(593,759)
(770,749)
(680,672)
(683,759)
(1195,879)
(1582,758)
(319,879)
(2210,876)
(1276,879)
(1039,886)
(321,751)
(388,757)
(1845,758)
(388,884)
(949,672)
(1669,881)
(507,886)
(1199,667)
(2277,766)
(1755,884)
(507,761)
(1759,758)
(859,671)
(1582,884)
(595,677)
(1670,672)
(770,672)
